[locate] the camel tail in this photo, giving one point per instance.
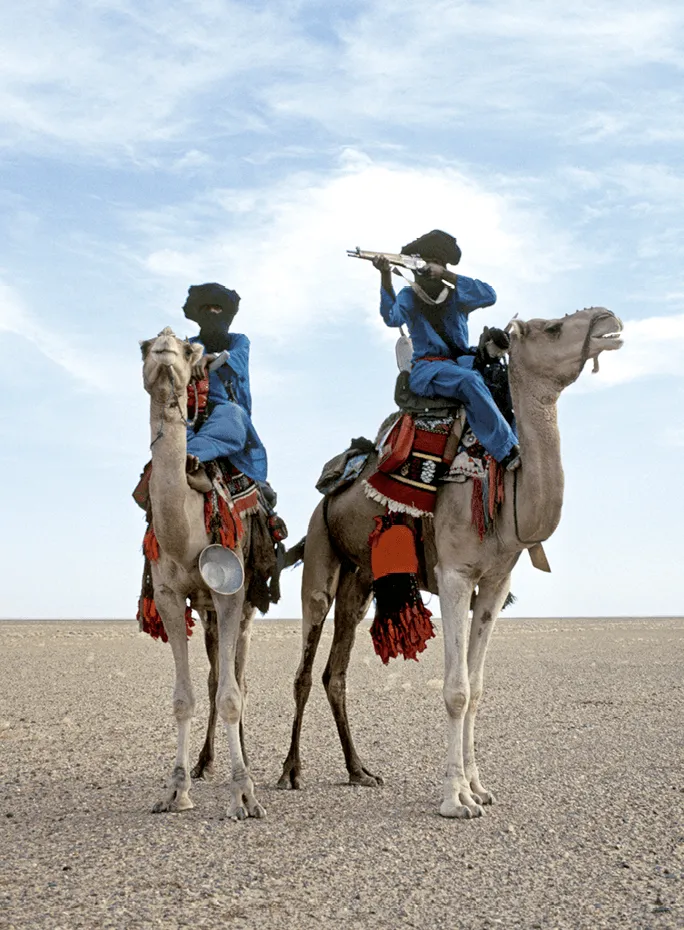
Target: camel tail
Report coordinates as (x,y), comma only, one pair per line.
(510,599)
(295,555)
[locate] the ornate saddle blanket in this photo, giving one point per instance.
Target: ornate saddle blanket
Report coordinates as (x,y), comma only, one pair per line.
(411,464)
(414,461)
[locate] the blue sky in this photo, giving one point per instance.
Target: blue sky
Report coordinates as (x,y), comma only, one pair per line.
(147,146)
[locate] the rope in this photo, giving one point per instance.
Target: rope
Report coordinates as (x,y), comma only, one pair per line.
(174,401)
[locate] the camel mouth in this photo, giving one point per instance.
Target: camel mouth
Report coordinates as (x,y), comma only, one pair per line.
(606,333)
(170,353)
(611,341)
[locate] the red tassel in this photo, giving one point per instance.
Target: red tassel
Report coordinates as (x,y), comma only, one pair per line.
(189,622)
(477,508)
(406,634)
(150,544)
(149,619)
(151,622)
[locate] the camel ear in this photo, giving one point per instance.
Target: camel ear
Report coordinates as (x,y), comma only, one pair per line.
(517,328)
(193,352)
(145,346)
(554,328)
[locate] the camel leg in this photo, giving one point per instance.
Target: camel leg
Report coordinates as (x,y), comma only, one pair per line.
(241,654)
(229,705)
(319,583)
(490,598)
(351,603)
(171,608)
(205,762)
(455,592)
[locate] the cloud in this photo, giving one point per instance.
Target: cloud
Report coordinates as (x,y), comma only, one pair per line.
(62,351)
(115,76)
(654,347)
(116,79)
(284,246)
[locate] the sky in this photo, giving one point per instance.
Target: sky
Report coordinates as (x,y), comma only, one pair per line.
(146,146)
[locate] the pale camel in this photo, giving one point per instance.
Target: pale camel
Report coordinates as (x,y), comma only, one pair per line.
(178,520)
(545,357)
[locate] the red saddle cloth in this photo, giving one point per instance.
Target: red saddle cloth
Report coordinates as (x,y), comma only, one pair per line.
(408,468)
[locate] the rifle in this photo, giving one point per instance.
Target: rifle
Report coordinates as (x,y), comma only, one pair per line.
(414,263)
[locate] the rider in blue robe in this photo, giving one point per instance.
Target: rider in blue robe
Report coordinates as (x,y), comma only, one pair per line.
(437,321)
(228,431)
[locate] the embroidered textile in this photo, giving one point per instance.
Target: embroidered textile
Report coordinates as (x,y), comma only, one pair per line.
(402,624)
(412,488)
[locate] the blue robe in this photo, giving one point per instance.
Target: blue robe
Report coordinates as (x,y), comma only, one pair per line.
(228,431)
(451,378)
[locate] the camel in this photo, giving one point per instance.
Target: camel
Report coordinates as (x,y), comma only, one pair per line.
(178,520)
(545,357)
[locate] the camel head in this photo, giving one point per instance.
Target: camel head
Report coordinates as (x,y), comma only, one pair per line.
(172,358)
(555,351)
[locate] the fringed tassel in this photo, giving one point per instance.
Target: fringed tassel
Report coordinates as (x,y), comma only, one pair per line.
(189,622)
(150,544)
(222,523)
(477,508)
(402,624)
(148,617)
(150,621)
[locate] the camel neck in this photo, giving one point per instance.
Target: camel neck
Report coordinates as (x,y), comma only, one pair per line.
(540,480)
(168,483)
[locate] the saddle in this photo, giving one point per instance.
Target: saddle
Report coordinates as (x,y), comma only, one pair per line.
(408,402)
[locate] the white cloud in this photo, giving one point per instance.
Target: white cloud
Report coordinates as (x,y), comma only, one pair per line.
(115,75)
(62,351)
(284,247)
(654,347)
(116,78)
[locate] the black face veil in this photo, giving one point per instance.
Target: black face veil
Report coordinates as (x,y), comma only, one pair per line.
(201,296)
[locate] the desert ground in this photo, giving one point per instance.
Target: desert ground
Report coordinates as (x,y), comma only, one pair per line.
(580,737)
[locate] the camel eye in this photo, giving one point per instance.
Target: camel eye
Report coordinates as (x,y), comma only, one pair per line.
(554,329)
(187,350)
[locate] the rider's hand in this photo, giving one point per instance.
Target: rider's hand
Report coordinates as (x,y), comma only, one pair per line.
(199,369)
(434,270)
(192,464)
(381,263)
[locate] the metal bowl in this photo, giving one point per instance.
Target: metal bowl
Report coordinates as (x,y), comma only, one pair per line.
(221,569)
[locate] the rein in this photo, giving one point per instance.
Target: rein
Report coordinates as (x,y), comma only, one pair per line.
(174,401)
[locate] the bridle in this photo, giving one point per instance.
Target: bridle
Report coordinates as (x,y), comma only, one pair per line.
(174,401)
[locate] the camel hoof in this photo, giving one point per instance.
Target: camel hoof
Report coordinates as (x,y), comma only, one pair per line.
(173,804)
(456,811)
(486,797)
(289,780)
(365,779)
(238,813)
(203,772)
(257,811)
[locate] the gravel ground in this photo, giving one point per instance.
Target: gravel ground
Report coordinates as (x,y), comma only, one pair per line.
(580,737)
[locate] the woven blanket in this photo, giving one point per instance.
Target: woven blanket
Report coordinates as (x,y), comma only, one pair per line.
(470,461)
(412,487)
